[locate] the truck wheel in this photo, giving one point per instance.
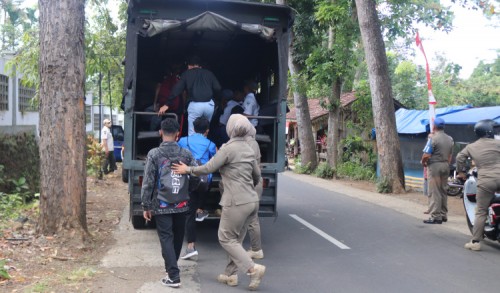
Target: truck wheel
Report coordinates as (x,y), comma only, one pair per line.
(138,222)
(125,175)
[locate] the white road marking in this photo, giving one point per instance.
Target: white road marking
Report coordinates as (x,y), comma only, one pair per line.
(320,232)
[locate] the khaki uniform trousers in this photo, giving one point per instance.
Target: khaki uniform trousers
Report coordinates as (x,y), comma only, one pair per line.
(233,224)
(438,181)
(254,225)
(485,193)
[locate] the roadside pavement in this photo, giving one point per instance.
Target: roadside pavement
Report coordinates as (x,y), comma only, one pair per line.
(134,263)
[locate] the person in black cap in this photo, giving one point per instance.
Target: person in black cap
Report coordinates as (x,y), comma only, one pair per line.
(437,158)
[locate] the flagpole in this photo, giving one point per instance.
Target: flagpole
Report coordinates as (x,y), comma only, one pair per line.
(432,99)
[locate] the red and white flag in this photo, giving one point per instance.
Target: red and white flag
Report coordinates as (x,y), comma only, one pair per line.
(432,100)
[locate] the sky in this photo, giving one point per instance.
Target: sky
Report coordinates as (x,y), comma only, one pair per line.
(474,38)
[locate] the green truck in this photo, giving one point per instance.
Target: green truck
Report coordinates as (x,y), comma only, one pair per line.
(238,40)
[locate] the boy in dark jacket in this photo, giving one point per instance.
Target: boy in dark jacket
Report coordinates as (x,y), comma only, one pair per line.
(165,196)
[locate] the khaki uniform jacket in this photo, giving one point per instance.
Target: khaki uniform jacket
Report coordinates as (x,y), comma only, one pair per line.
(237,163)
(486,155)
(239,169)
(442,147)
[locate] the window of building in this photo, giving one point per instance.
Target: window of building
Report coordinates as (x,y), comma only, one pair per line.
(98,122)
(26,95)
(4,93)
(88,113)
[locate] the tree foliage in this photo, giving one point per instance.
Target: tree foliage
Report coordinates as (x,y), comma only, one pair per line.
(481,89)
(104,49)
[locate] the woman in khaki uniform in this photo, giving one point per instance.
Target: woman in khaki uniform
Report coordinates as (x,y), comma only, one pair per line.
(237,164)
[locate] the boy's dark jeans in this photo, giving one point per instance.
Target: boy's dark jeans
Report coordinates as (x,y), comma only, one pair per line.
(170,228)
(195,202)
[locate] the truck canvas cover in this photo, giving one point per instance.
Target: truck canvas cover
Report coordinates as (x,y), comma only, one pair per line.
(206,21)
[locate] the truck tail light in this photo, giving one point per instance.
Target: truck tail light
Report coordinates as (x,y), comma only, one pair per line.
(140,180)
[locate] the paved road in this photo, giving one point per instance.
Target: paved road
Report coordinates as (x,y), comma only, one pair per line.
(326,241)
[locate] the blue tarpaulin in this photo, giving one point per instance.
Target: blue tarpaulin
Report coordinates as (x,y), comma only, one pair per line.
(471,116)
(415,121)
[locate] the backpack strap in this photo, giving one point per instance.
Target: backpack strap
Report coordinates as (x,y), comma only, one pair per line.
(209,144)
(206,149)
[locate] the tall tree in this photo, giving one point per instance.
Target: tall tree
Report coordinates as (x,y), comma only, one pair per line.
(389,154)
(306,137)
(104,51)
(338,17)
(62,122)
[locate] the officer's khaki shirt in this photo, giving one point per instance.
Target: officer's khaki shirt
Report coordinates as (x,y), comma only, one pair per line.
(442,147)
(486,155)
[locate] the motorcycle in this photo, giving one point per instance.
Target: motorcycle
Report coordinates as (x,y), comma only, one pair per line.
(455,184)
(492,227)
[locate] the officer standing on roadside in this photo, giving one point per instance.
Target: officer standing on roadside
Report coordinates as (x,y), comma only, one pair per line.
(486,155)
(437,158)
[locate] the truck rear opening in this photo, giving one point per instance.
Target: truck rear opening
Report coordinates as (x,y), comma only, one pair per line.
(237,41)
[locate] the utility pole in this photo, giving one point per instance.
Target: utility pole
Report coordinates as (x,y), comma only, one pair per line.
(110,102)
(100,106)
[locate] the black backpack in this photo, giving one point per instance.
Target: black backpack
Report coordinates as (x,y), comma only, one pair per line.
(172,188)
(204,180)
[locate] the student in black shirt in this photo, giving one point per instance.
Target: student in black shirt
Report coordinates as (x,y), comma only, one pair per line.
(202,86)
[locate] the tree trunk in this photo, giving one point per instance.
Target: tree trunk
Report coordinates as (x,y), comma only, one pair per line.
(306,139)
(305,135)
(62,119)
(389,154)
(333,139)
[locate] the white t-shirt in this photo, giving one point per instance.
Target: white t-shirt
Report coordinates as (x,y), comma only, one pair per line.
(251,107)
(106,135)
(227,111)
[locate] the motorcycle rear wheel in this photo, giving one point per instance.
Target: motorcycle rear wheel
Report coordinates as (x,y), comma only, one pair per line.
(454,191)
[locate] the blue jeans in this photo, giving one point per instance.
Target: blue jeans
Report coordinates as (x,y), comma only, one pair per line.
(170,228)
(199,109)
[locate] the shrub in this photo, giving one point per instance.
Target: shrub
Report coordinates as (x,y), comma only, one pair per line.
(10,205)
(4,274)
(14,200)
(21,159)
(300,169)
(383,185)
(355,149)
(324,171)
(356,171)
(95,156)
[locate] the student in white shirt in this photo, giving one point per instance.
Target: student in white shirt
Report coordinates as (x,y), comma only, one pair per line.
(250,105)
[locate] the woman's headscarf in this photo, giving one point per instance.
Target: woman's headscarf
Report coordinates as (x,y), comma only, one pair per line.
(239,126)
